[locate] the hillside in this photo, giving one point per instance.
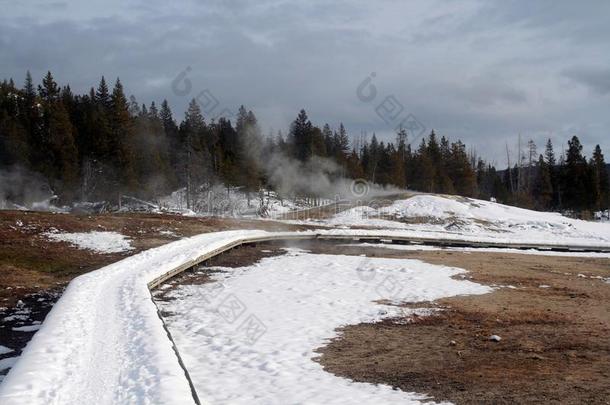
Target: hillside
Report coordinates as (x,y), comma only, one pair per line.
(443,215)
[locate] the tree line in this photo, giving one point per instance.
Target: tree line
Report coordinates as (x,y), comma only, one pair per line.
(99,145)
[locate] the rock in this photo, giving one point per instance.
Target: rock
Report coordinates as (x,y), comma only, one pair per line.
(453,343)
(495,338)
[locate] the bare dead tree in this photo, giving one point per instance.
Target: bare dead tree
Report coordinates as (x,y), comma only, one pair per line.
(510,169)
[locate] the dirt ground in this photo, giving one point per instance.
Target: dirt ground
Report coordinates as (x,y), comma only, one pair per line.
(30,263)
(552,314)
(553,320)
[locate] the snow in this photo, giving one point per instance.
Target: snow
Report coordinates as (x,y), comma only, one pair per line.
(602,216)
(45,205)
(103,342)
(5,350)
(481,250)
(96,241)
(472,218)
(221,200)
(27,328)
(7,362)
(296,301)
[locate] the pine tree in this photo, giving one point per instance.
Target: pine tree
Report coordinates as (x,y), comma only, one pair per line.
(99,130)
(30,120)
(439,182)
(374,155)
(424,179)
(484,187)
(433,149)
(58,162)
(577,180)
(14,147)
(122,138)
(329,144)
(249,150)
(318,146)
(600,179)
(401,159)
(341,144)
(151,160)
(196,168)
(29,92)
(171,134)
(301,137)
(397,166)
(551,162)
(49,91)
(230,167)
(385,168)
(549,154)
(443,168)
(462,175)
(543,187)
(102,95)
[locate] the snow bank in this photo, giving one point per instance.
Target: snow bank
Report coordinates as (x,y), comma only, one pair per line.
(467,217)
(96,241)
(298,300)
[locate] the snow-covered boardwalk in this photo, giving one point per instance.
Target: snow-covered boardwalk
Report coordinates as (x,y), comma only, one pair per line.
(104,342)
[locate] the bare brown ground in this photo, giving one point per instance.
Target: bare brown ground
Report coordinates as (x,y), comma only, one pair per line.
(555,343)
(30,263)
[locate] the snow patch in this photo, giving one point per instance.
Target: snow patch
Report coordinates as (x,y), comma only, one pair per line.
(5,350)
(96,241)
(27,328)
(296,301)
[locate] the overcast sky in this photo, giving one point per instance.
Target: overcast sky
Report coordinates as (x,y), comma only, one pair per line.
(478,71)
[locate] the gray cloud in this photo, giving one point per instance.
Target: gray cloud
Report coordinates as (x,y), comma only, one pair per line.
(596,79)
(470,69)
